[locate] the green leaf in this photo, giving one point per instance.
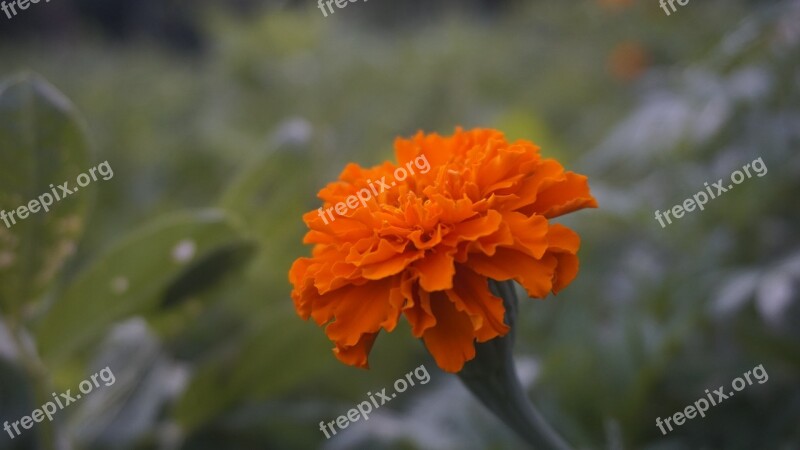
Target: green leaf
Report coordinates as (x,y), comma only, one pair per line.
(209,271)
(136,276)
(42,143)
(271,204)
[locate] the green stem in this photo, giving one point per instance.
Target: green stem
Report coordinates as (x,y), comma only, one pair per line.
(37,372)
(492,377)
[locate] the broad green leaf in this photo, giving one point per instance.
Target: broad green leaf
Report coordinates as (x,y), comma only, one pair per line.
(136,276)
(270,195)
(42,146)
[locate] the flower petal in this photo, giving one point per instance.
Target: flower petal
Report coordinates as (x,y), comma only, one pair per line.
(566,271)
(564,244)
(562,238)
(364,309)
(451,341)
(535,275)
(471,294)
(356,355)
(436,270)
(530,233)
(391,266)
(420,314)
(565,196)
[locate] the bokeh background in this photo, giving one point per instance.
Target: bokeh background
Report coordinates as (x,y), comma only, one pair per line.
(221,121)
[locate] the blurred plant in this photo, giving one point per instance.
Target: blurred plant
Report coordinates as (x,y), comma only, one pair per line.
(148,273)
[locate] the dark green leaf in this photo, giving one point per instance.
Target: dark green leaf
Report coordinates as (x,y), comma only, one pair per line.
(134,276)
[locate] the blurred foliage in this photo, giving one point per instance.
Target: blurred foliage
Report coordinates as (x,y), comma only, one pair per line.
(218,146)
(42,140)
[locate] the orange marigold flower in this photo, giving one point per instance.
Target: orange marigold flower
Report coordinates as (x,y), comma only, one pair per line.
(426,246)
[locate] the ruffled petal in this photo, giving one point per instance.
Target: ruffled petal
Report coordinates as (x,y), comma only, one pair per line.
(356,355)
(535,275)
(530,233)
(436,270)
(565,196)
(471,294)
(364,309)
(420,313)
(564,244)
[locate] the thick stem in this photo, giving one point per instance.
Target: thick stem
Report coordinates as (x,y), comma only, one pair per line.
(492,377)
